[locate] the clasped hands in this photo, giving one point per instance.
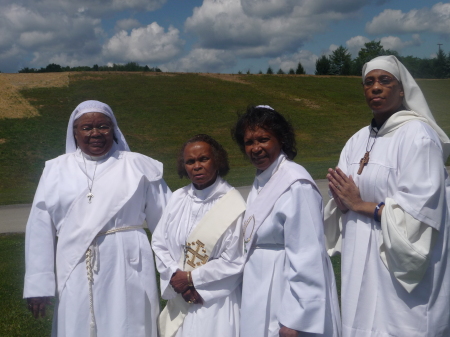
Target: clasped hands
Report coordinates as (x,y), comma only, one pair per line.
(344,190)
(182,285)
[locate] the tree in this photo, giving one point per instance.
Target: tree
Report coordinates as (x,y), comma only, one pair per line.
(260,72)
(52,68)
(248,72)
(441,66)
(370,50)
(280,72)
(269,71)
(341,61)
(291,72)
(323,66)
(300,70)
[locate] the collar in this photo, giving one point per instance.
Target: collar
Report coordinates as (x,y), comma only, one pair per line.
(216,190)
(262,177)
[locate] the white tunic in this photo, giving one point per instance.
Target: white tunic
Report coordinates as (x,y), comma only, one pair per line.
(126,302)
(288,278)
(395,274)
(218,281)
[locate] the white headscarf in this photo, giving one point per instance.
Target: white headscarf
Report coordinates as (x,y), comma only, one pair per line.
(413,99)
(93,106)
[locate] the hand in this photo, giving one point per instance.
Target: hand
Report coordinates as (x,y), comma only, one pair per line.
(286,332)
(179,282)
(36,305)
(192,296)
(344,190)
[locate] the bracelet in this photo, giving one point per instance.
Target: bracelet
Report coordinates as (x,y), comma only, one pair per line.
(189,278)
(375,213)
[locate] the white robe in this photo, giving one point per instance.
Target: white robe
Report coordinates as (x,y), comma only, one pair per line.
(395,274)
(125,294)
(288,278)
(218,281)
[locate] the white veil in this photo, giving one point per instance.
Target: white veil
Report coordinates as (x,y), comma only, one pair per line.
(93,106)
(413,99)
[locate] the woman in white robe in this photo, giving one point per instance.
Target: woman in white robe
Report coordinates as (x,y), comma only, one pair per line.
(288,286)
(212,287)
(389,214)
(86,224)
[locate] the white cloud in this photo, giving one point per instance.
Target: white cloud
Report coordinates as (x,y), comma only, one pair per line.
(286,62)
(202,60)
(256,28)
(127,24)
(435,19)
(355,44)
(395,43)
(149,44)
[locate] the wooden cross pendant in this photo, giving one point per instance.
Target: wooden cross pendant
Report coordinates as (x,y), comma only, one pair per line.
(363,162)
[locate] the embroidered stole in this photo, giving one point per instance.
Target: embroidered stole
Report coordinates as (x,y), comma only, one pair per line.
(288,173)
(200,245)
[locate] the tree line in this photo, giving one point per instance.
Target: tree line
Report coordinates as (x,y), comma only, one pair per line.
(341,63)
(54,68)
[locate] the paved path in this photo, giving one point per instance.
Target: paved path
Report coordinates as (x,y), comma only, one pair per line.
(13,218)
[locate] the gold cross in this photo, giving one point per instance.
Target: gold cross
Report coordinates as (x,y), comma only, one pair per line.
(196,254)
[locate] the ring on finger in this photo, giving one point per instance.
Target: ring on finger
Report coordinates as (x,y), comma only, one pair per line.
(338,187)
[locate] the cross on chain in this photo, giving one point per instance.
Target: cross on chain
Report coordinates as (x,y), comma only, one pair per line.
(196,254)
(89,196)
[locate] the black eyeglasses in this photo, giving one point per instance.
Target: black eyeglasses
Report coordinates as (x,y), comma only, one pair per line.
(384,81)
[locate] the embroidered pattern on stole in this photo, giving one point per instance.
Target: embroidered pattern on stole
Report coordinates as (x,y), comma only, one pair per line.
(196,254)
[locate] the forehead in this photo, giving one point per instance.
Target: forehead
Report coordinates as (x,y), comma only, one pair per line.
(92,117)
(379,73)
(257,132)
(197,148)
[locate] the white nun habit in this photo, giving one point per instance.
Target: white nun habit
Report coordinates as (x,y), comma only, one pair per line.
(121,299)
(395,273)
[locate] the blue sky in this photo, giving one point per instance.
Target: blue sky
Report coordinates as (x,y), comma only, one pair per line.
(223,36)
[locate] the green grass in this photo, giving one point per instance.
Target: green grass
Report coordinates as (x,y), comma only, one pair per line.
(15,319)
(158,113)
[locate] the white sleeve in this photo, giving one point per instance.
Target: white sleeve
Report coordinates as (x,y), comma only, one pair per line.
(405,244)
(158,194)
(304,299)
(165,264)
(39,249)
(220,276)
(332,228)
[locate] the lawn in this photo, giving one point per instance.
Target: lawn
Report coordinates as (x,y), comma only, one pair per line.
(158,113)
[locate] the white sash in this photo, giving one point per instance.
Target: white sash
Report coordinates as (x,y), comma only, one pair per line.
(288,173)
(200,245)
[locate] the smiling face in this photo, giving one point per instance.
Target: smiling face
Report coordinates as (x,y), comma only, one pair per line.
(261,147)
(383,98)
(94,133)
(200,164)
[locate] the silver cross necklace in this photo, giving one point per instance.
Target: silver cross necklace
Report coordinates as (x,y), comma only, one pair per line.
(90,195)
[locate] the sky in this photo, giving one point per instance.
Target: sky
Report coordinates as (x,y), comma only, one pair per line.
(216,36)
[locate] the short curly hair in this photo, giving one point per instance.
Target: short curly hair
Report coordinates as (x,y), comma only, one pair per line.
(269,120)
(219,153)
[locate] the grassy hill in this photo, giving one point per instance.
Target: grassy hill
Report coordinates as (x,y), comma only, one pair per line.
(158,112)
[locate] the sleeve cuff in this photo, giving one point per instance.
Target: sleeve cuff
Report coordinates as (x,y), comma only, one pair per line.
(39,285)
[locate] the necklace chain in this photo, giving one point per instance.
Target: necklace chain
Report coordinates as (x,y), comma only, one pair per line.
(374,140)
(89,195)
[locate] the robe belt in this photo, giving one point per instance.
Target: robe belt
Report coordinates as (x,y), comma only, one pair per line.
(269,246)
(92,255)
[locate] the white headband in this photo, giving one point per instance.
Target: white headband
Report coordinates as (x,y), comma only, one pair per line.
(265,107)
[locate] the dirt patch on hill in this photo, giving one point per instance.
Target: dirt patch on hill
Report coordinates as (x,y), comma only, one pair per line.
(309,103)
(226,77)
(12,103)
